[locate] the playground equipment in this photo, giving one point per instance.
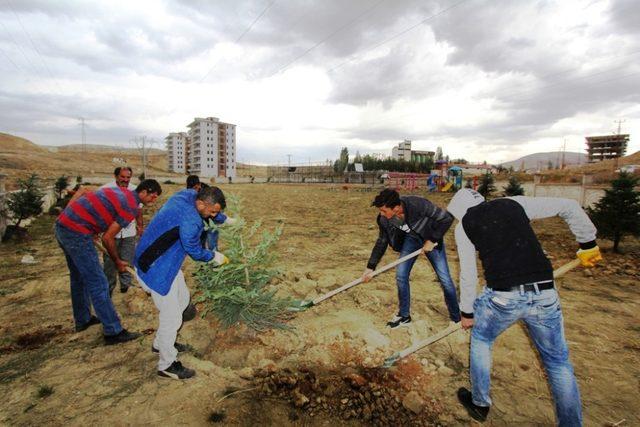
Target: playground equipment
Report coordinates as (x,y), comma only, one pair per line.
(406,180)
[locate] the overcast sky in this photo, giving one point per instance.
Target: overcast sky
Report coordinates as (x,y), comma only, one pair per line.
(485,79)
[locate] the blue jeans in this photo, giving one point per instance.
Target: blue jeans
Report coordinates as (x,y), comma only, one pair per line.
(494,312)
(438,259)
(212,240)
(89,285)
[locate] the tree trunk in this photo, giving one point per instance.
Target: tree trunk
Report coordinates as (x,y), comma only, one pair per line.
(616,241)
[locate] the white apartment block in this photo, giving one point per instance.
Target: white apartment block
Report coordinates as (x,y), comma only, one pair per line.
(212,152)
(177,151)
(402,151)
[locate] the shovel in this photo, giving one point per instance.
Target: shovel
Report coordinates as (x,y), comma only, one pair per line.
(104,251)
(391,360)
(304,305)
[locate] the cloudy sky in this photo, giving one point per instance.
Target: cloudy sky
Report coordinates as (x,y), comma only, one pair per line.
(485,79)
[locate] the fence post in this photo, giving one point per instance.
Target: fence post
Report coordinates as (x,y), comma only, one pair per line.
(586,180)
(536,181)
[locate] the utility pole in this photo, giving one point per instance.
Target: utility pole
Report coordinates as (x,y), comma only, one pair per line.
(564,147)
(289,156)
(619,122)
(83,135)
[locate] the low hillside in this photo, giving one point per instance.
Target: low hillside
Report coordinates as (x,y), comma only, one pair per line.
(20,157)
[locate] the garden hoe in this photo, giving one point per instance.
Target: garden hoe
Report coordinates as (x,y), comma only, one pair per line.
(391,360)
(303,305)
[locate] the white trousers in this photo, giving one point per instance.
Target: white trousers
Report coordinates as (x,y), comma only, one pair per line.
(170,307)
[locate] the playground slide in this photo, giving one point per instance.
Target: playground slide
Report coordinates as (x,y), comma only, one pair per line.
(447,187)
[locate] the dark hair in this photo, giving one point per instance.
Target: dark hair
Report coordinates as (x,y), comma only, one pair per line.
(151,185)
(192,180)
(388,198)
(119,169)
(204,185)
(212,195)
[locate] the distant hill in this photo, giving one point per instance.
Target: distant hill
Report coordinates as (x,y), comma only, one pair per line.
(541,160)
(20,157)
(99,148)
(12,142)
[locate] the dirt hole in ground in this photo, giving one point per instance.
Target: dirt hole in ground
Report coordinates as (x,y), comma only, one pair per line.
(374,396)
(33,340)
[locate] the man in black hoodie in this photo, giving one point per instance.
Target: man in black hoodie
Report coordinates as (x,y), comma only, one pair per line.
(406,224)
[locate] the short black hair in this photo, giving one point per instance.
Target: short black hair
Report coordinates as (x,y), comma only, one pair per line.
(192,180)
(119,169)
(151,185)
(388,198)
(212,195)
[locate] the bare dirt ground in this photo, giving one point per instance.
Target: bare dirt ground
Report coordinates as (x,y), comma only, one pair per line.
(49,374)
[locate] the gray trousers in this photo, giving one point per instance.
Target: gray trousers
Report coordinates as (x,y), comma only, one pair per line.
(126,250)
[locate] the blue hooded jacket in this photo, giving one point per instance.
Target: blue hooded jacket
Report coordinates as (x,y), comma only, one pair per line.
(172,233)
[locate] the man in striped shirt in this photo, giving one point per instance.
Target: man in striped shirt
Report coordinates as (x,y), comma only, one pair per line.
(105,211)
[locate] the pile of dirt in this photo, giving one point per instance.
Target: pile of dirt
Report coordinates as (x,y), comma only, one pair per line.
(374,396)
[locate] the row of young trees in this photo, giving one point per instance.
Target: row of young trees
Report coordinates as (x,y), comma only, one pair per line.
(371,163)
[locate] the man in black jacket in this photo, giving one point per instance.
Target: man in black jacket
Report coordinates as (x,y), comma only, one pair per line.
(407,223)
(519,286)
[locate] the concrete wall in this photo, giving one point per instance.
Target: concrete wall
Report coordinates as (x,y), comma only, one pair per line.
(585,193)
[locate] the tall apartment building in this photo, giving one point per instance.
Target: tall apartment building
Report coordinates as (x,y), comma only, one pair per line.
(210,149)
(178,152)
(213,148)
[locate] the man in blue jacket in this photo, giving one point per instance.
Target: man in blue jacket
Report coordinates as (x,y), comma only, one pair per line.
(173,233)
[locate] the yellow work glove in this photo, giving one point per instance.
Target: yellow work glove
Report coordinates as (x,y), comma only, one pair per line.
(220,258)
(589,257)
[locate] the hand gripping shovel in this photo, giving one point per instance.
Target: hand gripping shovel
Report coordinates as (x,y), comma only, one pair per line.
(304,305)
(391,360)
(104,251)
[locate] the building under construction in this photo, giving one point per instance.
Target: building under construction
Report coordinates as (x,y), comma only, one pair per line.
(605,147)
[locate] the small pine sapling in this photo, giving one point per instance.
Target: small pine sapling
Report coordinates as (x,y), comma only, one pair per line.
(486,187)
(27,201)
(240,291)
(514,188)
(618,212)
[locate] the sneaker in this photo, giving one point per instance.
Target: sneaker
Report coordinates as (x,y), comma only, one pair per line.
(180,347)
(93,320)
(177,372)
(478,413)
(122,337)
(399,321)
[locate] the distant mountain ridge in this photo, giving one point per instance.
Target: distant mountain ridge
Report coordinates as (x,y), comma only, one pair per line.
(98,148)
(541,160)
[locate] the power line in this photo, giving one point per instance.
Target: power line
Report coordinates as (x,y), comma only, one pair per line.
(245,32)
(35,48)
(333,33)
(255,21)
(10,60)
(395,36)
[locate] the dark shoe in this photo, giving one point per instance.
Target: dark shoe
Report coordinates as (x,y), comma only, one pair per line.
(399,321)
(124,289)
(123,336)
(177,372)
(180,347)
(92,321)
(189,313)
(478,413)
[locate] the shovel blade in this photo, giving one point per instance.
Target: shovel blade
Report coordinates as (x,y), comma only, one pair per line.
(391,360)
(300,305)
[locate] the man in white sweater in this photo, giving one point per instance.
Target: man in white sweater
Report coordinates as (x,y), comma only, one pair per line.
(519,286)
